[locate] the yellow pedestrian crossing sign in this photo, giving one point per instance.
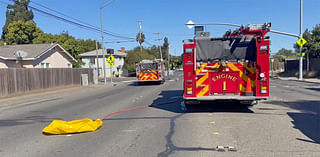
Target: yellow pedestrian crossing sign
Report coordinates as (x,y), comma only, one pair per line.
(301,42)
(110,63)
(110,60)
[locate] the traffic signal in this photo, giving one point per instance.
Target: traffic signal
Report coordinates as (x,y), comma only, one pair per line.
(304,49)
(110,51)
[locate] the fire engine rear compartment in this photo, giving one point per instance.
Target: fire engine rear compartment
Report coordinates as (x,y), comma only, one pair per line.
(230,48)
(225,69)
(149,72)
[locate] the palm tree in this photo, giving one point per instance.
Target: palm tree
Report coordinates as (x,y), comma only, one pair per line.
(140,39)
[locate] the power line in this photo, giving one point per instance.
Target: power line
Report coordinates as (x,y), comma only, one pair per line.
(73,18)
(96,29)
(148,43)
(120,41)
(79,23)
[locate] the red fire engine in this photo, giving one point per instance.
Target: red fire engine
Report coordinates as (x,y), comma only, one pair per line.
(234,67)
(150,71)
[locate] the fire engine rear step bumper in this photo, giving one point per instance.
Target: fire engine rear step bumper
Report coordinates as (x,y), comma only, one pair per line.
(149,80)
(212,98)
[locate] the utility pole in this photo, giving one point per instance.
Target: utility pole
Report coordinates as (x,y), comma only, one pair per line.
(97,58)
(102,43)
(159,39)
(168,62)
(111,72)
(103,51)
(308,61)
(300,35)
(140,34)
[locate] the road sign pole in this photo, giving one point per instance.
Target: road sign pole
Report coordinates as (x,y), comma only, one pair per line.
(110,60)
(111,74)
(300,51)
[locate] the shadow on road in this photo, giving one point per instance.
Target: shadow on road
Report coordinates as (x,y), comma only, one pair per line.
(314,89)
(26,121)
(178,106)
(308,121)
(144,84)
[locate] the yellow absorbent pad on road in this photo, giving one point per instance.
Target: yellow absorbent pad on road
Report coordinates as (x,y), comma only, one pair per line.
(58,127)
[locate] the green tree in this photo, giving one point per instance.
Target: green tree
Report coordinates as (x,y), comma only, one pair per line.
(286,53)
(165,48)
(139,39)
(283,54)
(154,50)
(313,41)
(20,32)
(135,56)
(17,12)
(42,38)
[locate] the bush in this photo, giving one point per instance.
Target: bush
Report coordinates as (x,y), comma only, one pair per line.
(311,74)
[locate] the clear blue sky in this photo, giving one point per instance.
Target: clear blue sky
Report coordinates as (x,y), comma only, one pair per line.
(169,17)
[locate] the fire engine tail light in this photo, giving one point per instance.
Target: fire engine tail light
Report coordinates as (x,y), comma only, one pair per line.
(189,87)
(189,91)
(263,86)
(263,90)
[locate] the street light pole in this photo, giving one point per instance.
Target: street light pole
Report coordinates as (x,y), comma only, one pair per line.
(102,44)
(140,35)
(300,50)
(168,62)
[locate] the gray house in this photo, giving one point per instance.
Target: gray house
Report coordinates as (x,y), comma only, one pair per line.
(94,59)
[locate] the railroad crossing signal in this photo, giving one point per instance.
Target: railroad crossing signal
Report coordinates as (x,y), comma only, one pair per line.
(301,42)
(110,60)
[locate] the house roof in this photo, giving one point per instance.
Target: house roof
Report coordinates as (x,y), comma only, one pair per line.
(33,51)
(94,53)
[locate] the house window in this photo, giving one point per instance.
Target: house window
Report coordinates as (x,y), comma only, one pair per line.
(45,65)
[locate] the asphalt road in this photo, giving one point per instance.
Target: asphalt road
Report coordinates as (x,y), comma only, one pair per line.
(288,124)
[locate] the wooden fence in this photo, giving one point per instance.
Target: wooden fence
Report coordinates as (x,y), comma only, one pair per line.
(293,65)
(20,80)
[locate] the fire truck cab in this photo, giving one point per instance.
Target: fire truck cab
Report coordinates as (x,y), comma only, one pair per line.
(150,71)
(233,67)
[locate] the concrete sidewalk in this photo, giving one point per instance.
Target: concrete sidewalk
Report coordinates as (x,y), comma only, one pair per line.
(34,97)
(311,80)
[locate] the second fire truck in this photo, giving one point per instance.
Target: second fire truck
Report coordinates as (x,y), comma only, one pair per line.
(150,71)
